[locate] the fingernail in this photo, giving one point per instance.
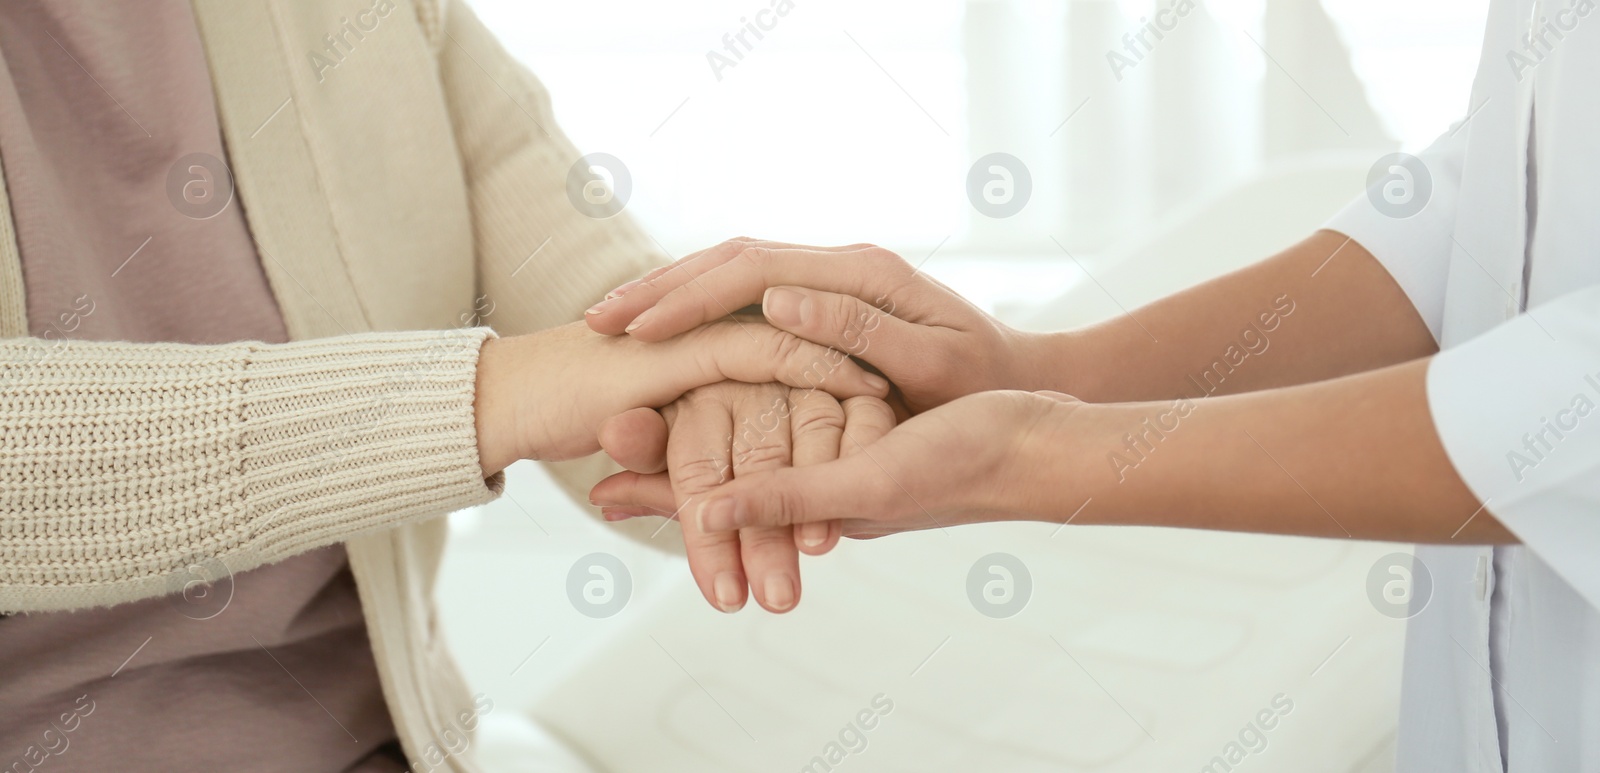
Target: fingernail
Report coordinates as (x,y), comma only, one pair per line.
(727,588)
(813,534)
(642,319)
(876,382)
(780,592)
(785,307)
(601,306)
(617,293)
(717,515)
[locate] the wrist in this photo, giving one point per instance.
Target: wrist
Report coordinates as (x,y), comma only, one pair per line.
(1054,362)
(495,405)
(1066,468)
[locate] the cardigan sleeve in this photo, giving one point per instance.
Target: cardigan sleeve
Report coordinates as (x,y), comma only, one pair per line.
(126,464)
(540,260)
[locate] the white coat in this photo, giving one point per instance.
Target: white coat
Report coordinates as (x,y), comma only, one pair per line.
(1502,665)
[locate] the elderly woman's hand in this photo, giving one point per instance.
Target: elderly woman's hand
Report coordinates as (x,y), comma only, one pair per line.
(544,395)
(722,432)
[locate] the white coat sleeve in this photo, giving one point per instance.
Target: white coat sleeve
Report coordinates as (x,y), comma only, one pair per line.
(1416,249)
(1518,410)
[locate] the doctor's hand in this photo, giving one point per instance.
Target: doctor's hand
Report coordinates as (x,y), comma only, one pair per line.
(544,395)
(862,300)
(987,457)
(727,431)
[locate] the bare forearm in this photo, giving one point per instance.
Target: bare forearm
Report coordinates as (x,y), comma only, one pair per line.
(1320,309)
(1352,457)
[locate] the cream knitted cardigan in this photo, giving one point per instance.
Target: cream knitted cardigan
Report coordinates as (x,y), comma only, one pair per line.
(418,183)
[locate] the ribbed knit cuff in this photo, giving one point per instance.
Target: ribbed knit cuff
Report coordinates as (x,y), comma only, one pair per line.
(126,464)
(337,440)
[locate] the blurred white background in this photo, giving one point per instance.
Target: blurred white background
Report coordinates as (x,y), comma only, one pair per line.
(1241,129)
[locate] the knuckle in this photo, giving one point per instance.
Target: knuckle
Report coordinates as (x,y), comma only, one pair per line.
(818,416)
(881,254)
(710,339)
(850,315)
(712,548)
(890,262)
(786,507)
(868,408)
(658,280)
(809,401)
(711,395)
(786,348)
(699,474)
(662,270)
(759,257)
(761,454)
(766,543)
(652,281)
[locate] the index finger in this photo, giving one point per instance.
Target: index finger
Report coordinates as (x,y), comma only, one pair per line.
(613,314)
(698,460)
(717,284)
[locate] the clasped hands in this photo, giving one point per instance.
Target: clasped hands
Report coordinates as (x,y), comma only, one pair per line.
(762,471)
(774,437)
(758,474)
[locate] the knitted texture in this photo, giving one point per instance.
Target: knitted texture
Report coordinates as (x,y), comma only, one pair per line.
(535,257)
(125,464)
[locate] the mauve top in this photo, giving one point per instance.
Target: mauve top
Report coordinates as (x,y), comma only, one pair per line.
(129,230)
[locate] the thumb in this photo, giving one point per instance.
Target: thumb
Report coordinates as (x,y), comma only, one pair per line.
(850,325)
(852,487)
(636,439)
